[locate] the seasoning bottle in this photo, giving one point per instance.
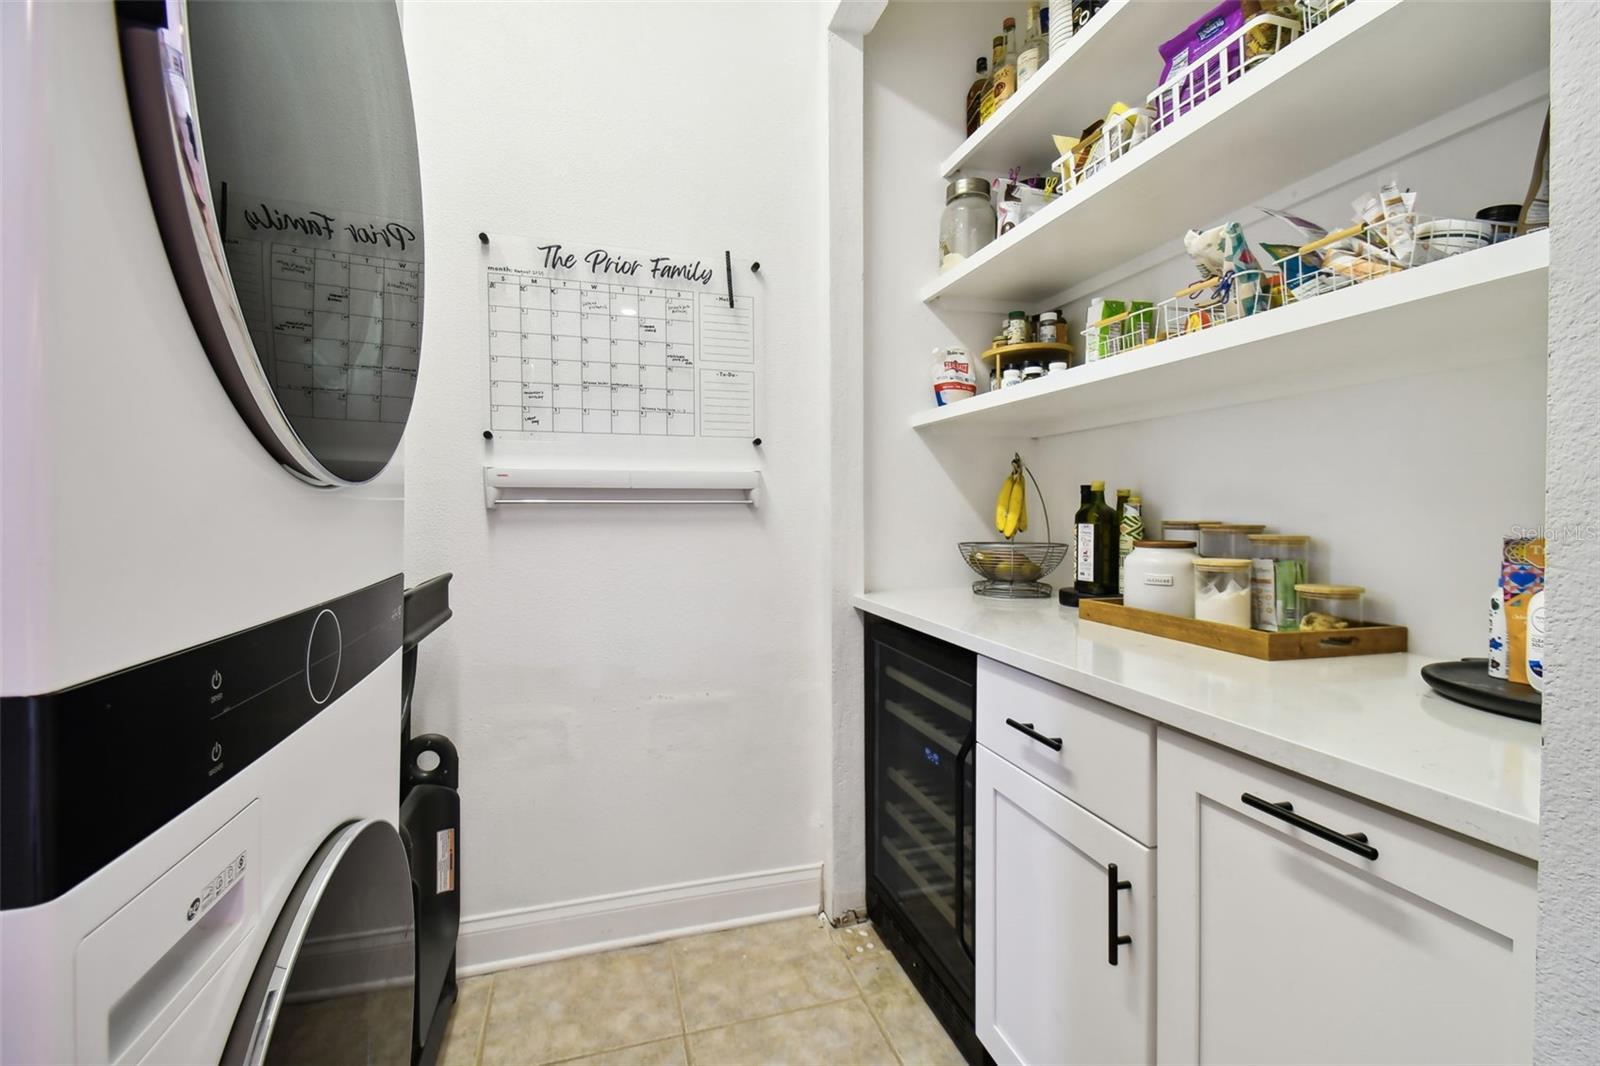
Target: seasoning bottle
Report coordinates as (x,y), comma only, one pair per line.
(1010,376)
(1130,523)
(975,96)
(1031,370)
(1096,523)
(1032,55)
(1049,328)
(1017,327)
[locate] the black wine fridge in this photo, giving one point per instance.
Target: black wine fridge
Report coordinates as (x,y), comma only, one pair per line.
(920,796)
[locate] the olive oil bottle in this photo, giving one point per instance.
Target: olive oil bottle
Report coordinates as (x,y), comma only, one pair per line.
(1098,535)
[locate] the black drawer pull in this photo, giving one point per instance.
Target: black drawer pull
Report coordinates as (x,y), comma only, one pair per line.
(1054,743)
(1114,940)
(1356,842)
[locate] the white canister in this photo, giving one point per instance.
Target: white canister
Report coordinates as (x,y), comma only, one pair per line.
(1159,576)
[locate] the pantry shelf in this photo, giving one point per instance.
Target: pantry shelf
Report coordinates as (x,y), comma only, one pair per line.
(1257,136)
(1479,307)
(1112,58)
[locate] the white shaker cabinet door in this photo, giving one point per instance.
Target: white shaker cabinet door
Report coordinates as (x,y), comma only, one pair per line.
(1054,985)
(1301,925)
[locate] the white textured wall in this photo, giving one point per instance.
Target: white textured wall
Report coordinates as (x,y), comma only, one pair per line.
(640,695)
(1567,1023)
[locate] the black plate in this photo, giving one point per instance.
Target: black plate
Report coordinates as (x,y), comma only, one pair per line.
(1468,681)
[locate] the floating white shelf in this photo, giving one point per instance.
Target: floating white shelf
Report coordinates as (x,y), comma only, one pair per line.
(1479,307)
(1112,59)
(1327,96)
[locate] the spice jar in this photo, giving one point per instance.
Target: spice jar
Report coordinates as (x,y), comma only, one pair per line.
(1017,327)
(1227,540)
(1049,328)
(1279,562)
(1222,591)
(1158,575)
(969,221)
(1031,370)
(1330,606)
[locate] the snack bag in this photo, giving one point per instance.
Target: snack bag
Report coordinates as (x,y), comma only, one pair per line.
(1521,575)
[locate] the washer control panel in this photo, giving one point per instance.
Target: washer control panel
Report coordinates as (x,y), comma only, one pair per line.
(87,772)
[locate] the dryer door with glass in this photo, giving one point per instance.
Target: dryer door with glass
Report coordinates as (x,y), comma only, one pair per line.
(280,150)
(335,982)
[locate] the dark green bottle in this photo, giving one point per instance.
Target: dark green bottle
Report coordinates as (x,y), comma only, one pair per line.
(1098,535)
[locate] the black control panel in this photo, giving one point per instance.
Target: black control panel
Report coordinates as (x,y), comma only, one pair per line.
(88,772)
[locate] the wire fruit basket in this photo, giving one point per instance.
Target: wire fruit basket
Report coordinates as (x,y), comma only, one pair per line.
(1012,571)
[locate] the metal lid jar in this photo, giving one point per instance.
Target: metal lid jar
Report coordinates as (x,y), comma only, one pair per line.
(969,221)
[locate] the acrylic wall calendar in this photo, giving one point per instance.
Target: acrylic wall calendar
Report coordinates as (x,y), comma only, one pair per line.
(595,341)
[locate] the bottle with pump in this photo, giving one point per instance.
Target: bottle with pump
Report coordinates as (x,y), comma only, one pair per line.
(1097,545)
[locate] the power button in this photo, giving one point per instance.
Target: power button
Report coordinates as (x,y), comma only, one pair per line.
(324,651)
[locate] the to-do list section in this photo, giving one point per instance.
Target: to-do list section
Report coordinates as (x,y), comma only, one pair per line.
(593,341)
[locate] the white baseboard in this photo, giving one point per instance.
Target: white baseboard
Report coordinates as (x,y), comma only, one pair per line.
(505,939)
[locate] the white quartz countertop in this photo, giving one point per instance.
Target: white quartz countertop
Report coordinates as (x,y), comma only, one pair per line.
(1367,724)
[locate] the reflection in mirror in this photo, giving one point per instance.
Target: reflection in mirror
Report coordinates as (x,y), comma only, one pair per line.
(311,157)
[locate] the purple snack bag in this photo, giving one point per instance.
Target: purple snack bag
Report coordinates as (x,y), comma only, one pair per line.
(1204,34)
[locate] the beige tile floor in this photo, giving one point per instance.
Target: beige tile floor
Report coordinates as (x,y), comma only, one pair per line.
(785,992)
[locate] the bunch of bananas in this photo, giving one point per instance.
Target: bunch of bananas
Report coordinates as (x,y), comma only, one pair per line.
(1011,507)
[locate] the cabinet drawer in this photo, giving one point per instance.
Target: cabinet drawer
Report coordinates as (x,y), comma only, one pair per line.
(1105,756)
(1300,924)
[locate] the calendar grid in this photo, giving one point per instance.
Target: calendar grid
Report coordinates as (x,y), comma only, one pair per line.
(597,357)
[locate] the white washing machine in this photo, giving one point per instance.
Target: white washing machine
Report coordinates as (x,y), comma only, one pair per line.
(212,308)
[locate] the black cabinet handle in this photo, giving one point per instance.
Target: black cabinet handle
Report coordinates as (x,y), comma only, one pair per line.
(1114,940)
(962,858)
(1356,842)
(1053,743)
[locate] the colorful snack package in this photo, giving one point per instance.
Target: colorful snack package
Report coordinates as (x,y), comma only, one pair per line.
(1521,575)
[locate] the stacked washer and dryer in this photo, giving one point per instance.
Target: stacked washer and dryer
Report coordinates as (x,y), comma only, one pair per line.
(212,262)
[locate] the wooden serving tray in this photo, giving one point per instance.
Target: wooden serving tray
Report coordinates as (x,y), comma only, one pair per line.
(1371,639)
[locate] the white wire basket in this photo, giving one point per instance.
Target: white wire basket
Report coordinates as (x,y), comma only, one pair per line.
(1315,12)
(1361,253)
(1098,151)
(1214,301)
(1121,333)
(1258,39)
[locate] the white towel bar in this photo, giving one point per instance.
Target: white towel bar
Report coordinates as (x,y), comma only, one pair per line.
(578,487)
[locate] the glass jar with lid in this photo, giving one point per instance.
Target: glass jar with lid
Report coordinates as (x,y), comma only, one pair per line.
(1330,606)
(969,221)
(1158,575)
(1227,540)
(1184,529)
(1279,562)
(1222,591)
